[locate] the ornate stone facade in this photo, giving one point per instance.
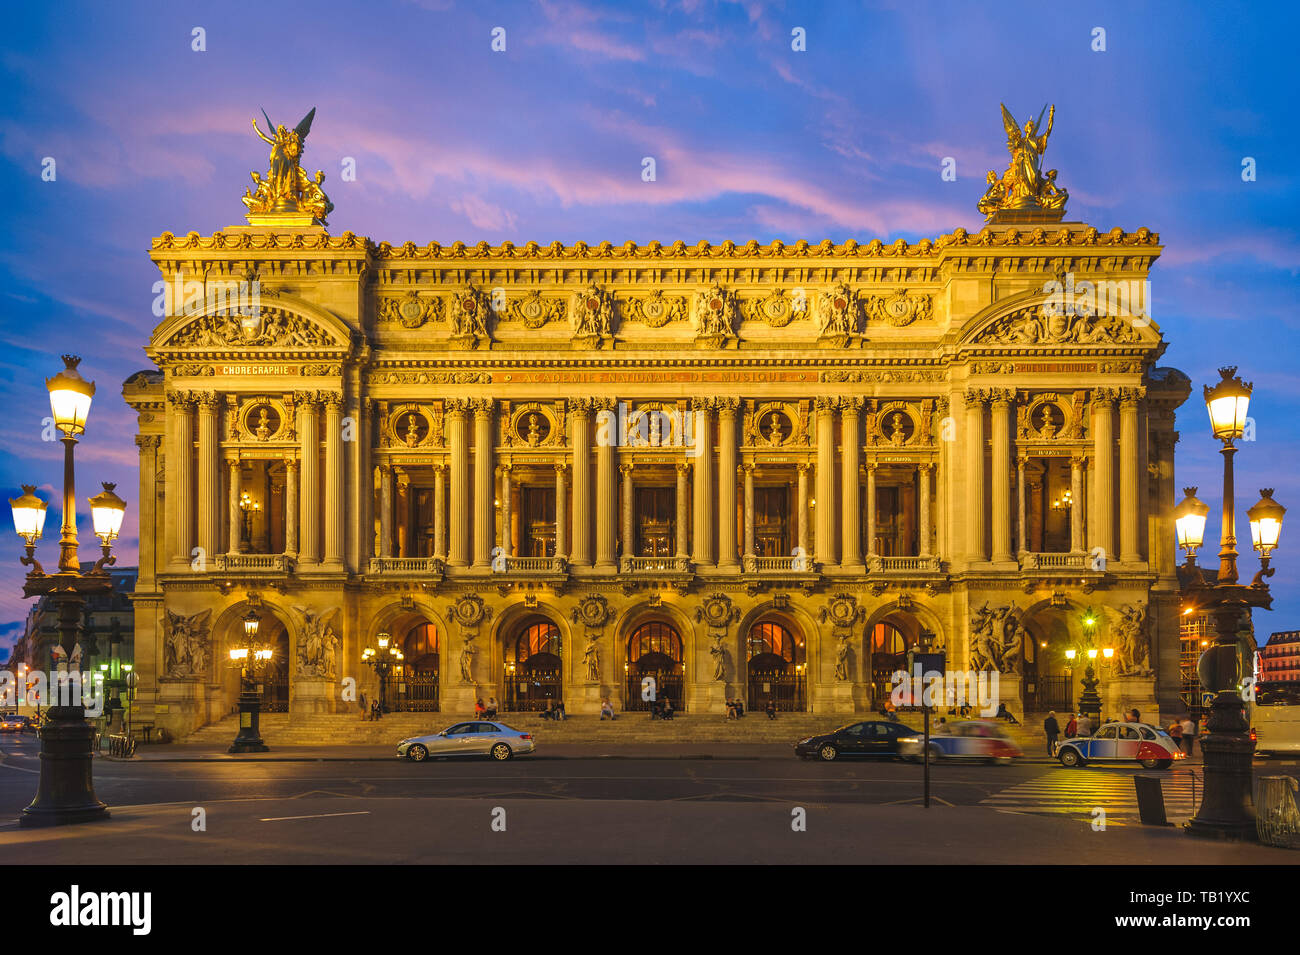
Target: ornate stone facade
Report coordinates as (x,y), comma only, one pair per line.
(802,455)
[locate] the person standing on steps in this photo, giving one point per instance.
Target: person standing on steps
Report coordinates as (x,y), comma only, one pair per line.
(1053,731)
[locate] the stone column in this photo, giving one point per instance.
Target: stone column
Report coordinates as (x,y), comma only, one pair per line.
(182,466)
(234,514)
(825,499)
(749,559)
(802,517)
(484,484)
(561,512)
(683,513)
(1078,463)
(1021,527)
(581,536)
(975,501)
(851,507)
(290,506)
(1102,520)
(403,513)
(1002,476)
(458,439)
(209,477)
(1129,517)
(440,511)
(871,508)
(628,536)
(727,475)
(148,445)
(923,509)
(385,511)
(606,490)
(507,549)
(309,509)
(703,489)
(334,508)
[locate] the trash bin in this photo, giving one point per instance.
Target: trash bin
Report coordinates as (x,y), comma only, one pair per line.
(1276,817)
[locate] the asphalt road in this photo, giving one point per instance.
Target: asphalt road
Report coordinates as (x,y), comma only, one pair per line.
(582,808)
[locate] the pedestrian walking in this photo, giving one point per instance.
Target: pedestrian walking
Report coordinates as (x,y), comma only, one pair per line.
(1053,731)
(1176,733)
(365,713)
(1189,735)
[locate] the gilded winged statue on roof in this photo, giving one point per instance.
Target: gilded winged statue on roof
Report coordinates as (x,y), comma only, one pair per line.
(1024,185)
(287,188)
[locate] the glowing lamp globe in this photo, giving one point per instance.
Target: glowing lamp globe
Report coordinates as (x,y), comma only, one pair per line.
(106,513)
(1266,522)
(70,396)
(29,514)
(1227,403)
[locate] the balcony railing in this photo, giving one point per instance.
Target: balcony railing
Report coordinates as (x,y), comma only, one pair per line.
(904,565)
(655,565)
(1055,561)
(537,565)
(407,566)
(261,563)
(782,565)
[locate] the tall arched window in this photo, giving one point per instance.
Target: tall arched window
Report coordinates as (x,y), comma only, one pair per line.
(538,639)
(776,667)
(654,659)
(421,648)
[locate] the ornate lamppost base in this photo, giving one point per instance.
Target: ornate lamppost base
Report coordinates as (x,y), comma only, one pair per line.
(249,739)
(65,794)
(1228,809)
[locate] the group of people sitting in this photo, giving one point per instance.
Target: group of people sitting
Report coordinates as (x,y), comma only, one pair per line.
(554,710)
(735,708)
(488,711)
(661,709)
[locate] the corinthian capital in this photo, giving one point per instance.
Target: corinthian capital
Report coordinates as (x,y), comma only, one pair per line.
(483,407)
(826,404)
(148,443)
(851,405)
(727,406)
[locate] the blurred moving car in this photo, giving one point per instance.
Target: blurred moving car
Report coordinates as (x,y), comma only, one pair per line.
(15,723)
(870,738)
(1148,745)
(471,738)
(968,739)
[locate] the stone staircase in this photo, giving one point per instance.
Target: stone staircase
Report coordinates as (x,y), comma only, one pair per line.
(350,729)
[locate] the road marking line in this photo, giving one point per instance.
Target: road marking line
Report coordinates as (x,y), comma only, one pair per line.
(323,815)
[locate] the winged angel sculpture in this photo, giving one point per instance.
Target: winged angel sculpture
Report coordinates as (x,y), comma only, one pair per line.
(287,187)
(1024,186)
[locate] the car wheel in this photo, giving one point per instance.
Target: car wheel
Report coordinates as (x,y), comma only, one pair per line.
(828,752)
(936,754)
(1149,763)
(417,753)
(1164,763)
(1001,760)
(501,752)
(1069,758)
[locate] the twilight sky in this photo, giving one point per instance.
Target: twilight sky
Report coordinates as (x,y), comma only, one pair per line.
(544,141)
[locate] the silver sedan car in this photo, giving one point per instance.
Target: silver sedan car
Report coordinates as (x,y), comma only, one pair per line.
(471,738)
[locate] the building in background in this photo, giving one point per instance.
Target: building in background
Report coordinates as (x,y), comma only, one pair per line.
(107,635)
(1279,658)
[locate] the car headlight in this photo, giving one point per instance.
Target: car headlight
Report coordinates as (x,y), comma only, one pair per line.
(806,740)
(909,739)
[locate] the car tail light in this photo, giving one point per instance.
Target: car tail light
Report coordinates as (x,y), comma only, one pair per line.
(1253,737)
(526,736)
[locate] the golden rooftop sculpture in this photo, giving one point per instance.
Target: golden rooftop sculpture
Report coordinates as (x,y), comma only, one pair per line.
(1025,193)
(287,196)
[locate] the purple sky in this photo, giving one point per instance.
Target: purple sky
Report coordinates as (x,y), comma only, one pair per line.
(544,141)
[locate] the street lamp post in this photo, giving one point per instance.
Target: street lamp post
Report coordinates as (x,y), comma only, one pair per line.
(250,656)
(1228,809)
(1089,699)
(382,658)
(66,793)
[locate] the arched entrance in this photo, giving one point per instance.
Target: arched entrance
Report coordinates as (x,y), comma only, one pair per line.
(1049,683)
(776,667)
(654,650)
(534,666)
(888,643)
(272,678)
(417,677)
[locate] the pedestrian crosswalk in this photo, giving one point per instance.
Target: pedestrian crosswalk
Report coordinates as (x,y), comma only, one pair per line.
(1078,793)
